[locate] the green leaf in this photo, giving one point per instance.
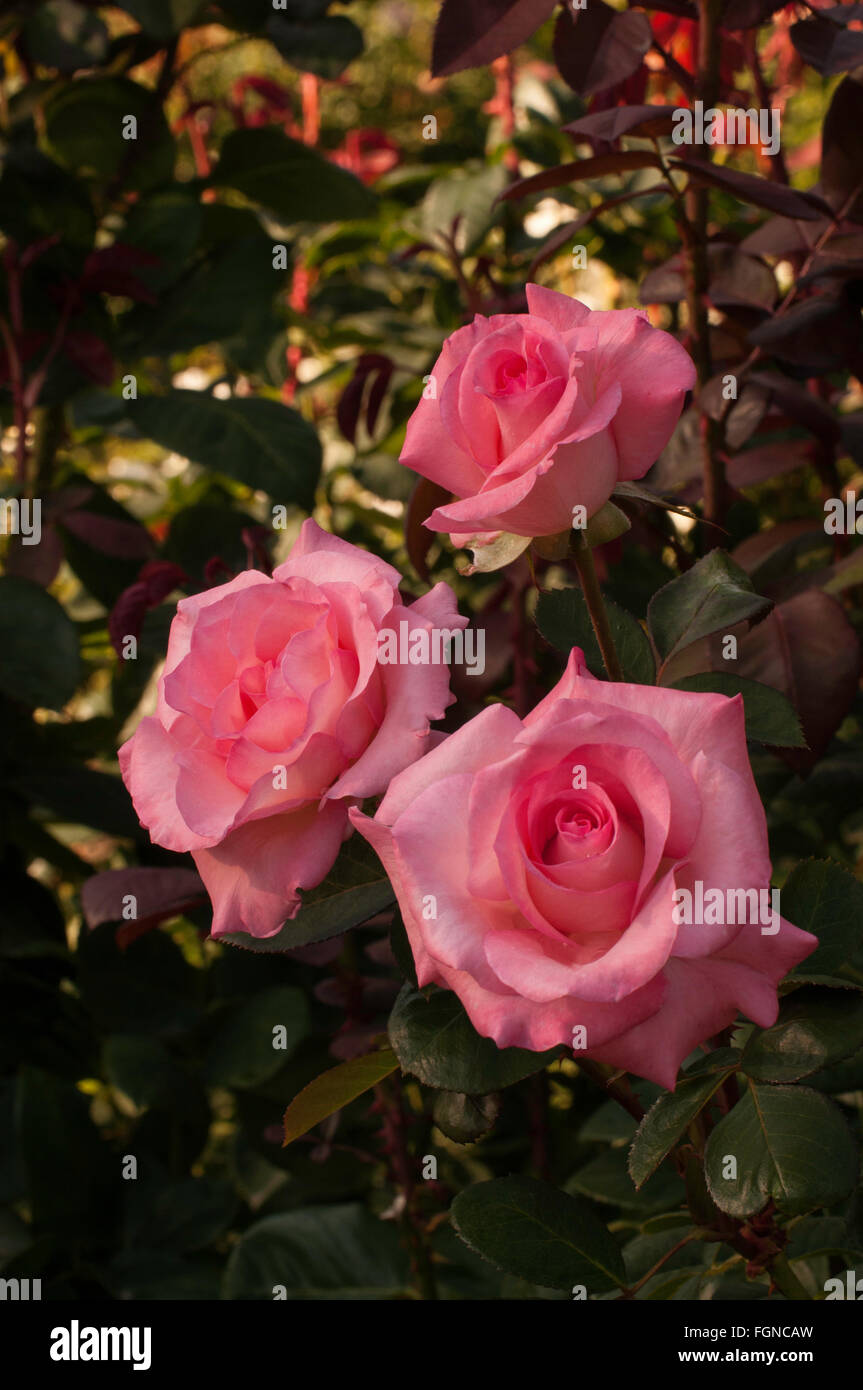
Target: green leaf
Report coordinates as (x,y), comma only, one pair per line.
(606,525)
(141,1067)
(289,178)
(40,664)
(146,988)
(563,619)
(815,1028)
(162,19)
(176,1214)
(464,203)
(260,442)
(790,1144)
(770,716)
(716,593)
(606,1179)
(821,1235)
(226,296)
(324,45)
(72,1183)
(669,1118)
(335,1089)
(823,898)
(436,1042)
(322,1252)
(84,124)
(465,1119)
(536,1232)
(256,1040)
(64,35)
(355,889)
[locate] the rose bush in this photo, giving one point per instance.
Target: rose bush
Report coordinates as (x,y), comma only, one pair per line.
(274,716)
(533,414)
(545,905)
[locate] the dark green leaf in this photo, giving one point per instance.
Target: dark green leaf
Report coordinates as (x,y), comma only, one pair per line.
(463,205)
(84,124)
(289,178)
(324,46)
(141,1067)
(259,442)
(146,988)
(789,1143)
(177,1215)
(64,35)
(340,1252)
(40,663)
(716,593)
(226,296)
(162,19)
(825,899)
(436,1042)
(250,1045)
(668,1119)
(770,717)
(815,1028)
(606,1179)
(72,1183)
(536,1232)
(563,619)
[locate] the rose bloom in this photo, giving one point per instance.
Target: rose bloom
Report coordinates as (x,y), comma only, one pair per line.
(274,716)
(533,414)
(544,906)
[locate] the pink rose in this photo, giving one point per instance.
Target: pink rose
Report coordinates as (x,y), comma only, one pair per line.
(547,906)
(274,716)
(533,414)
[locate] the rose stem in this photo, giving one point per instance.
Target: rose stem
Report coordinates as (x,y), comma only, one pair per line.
(583,557)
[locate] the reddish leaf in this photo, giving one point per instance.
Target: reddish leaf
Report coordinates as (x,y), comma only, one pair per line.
(561,235)
(807,649)
(580,170)
(111,270)
(90,355)
(472,35)
(598,47)
(156,580)
(800,405)
(765,461)
(38,563)
(829,46)
(842,148)
(749,14)
(109,535)
(608,126)
(749,188)
(425,497)
(821,333)
(158,894)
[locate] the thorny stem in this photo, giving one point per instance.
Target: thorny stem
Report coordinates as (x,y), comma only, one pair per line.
(401,1163)
(583,557)
(614,1084)
(698,279)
